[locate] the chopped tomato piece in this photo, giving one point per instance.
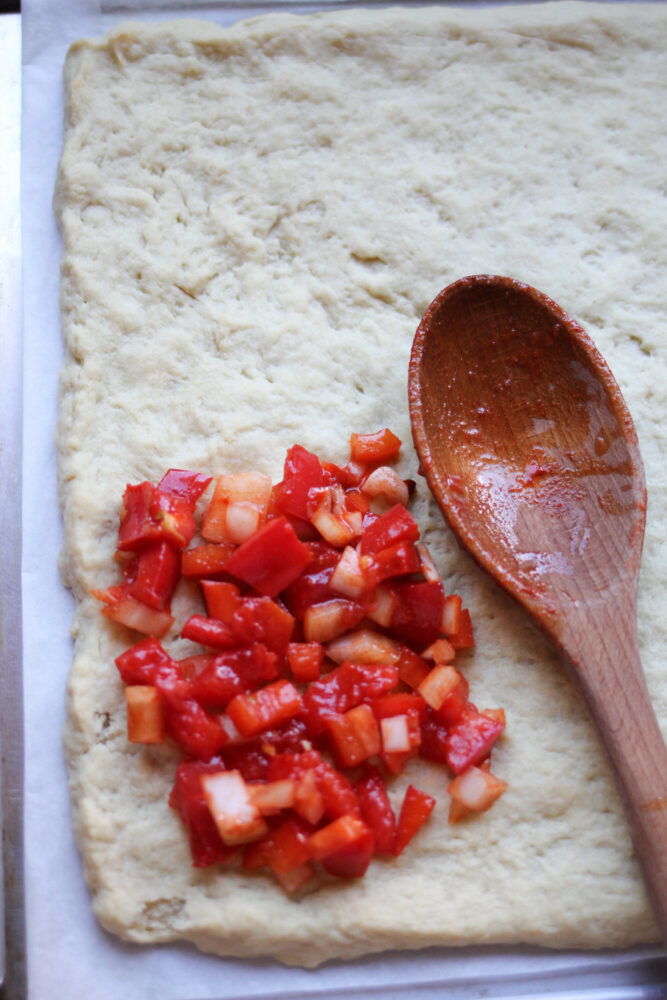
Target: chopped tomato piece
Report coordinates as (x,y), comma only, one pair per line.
(376,810)
(372,448)
(209,632)
(157,573)
(397,525)
(336,790)
(305,660)
(380,604)
(260,619)
(145,714)
(416,808)
(470,739)
(271,705)
(237,818)
(355,735)
(270,559)
(205,560)
(187,798)
(121,607)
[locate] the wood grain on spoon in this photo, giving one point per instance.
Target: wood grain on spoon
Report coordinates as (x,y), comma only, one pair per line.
(531,453)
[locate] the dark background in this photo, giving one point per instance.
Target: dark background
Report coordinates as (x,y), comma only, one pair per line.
(10,6)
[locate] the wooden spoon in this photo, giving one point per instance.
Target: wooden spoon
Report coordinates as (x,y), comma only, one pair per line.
(529,449)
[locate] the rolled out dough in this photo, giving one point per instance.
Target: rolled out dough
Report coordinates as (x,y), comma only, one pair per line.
(254,220)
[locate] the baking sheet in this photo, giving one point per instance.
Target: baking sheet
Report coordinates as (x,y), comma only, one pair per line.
(68,953)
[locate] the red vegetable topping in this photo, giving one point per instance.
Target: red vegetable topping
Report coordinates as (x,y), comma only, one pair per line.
(302,579)
(416,809)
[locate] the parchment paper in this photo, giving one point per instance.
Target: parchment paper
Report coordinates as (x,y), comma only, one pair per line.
(68,954)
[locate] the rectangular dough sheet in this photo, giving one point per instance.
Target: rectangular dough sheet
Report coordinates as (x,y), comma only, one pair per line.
(254,220)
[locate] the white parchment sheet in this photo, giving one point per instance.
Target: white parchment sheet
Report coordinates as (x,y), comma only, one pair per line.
(69,956)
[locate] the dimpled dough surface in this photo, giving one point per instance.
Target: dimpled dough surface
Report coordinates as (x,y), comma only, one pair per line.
(254,220)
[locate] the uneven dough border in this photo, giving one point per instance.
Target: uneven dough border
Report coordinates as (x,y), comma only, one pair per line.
(277,255)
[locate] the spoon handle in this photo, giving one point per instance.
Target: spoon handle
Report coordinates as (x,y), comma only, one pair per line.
(606,663)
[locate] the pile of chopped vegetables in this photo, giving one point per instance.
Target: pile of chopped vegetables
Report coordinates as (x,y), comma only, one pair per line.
(330,646)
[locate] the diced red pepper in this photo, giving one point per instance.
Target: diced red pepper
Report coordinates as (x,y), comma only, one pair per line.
(397,525)
(141,663)
(336,790)
(302,472)
(376,810)
(416,808)
(158,571)
(264,709)
(270,559)
(452,707)
(434,738)
(346,686)
(287,846)
(235,672)
(398,560)
(470,739)
(345,847)
(192,666)
(412,669)
(305,660)
(151,515)
(145,714)
(398,704)
(208,560)
(310,588)
(187,798)
(416,620)
(463,639)
(222,599)
(260,619)
(374,448)
(209,632)
(355,735)
(188,486)
(199,734)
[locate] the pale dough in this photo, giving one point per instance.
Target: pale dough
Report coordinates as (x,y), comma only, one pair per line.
(254,220)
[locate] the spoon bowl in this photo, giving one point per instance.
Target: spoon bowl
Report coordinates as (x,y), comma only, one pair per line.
(529,449)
